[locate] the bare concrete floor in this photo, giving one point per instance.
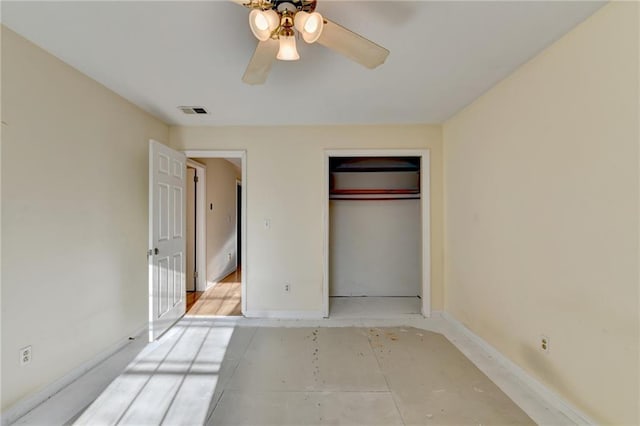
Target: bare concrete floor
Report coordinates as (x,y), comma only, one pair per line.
(204,372)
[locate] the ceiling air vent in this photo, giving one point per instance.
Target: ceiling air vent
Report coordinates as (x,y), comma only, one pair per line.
(193,110)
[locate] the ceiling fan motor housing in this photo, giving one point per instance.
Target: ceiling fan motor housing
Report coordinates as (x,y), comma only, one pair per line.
(281,5)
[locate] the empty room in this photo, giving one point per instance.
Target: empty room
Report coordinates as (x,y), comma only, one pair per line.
(287,212)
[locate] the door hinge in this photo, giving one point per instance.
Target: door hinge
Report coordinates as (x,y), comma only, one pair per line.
(195,179)
(195,274)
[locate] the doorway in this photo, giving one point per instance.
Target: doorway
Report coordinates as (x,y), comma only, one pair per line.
(222,231)
(376,214)
(192,271)
(195,231)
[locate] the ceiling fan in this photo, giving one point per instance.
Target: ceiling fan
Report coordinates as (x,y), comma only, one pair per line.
(275,24)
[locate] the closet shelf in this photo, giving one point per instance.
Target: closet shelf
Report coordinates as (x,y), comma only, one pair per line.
(374,191)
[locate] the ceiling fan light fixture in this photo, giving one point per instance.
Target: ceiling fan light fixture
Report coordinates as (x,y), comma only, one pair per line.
(288,51)
(276,23)
(263,23)
(310,25)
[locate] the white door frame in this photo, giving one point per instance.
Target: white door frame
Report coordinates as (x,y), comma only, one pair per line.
(242,155)
(201,224)
(425,215)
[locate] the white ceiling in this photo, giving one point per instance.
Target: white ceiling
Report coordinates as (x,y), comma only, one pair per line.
(163,54)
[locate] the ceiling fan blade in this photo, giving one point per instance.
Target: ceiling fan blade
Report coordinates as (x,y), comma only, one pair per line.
(352,45)
(261,61)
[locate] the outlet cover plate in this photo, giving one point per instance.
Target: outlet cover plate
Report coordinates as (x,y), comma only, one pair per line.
(25,355)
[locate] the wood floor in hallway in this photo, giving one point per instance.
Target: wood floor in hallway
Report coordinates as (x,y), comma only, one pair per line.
(223,299)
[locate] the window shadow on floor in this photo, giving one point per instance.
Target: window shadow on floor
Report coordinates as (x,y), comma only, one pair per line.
(175,380)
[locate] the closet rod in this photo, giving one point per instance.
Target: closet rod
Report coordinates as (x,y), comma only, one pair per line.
(374,198)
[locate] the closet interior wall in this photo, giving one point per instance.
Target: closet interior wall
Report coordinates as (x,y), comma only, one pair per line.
(375,230)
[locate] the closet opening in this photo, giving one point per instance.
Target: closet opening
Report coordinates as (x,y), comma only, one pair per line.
(377,242)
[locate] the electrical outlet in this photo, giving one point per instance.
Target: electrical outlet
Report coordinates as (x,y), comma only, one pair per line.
(544,343)
(25,355)
(287,287)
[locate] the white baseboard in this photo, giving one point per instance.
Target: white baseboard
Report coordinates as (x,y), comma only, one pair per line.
(28,403)
(550,398)
(288,315)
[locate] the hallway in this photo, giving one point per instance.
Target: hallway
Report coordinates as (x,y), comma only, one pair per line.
(223,299)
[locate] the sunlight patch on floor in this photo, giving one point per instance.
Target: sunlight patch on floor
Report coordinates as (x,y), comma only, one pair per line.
(173,383)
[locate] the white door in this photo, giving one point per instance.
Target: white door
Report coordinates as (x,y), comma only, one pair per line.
(167,169)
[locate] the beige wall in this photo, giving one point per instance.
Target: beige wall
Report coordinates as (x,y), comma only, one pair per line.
(541,183)
(221,222)
(74,216)
(285,167)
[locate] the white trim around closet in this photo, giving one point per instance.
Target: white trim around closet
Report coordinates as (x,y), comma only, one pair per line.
(425,215)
